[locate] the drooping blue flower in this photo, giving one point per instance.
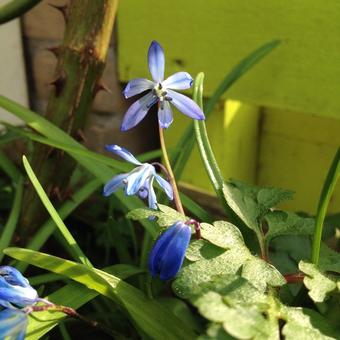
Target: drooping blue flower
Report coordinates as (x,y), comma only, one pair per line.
(13,324)
(15,289)
(161,92)
(167,255)
(139,181)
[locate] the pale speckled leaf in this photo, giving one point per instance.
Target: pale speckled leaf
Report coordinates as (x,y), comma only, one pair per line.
(305,324)
(222,234)
(165,216)
(260,274)
(202,249)
(317,282)
(287,223)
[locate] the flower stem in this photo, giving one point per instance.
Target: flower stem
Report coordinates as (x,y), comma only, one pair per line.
(74,314)
(172,180)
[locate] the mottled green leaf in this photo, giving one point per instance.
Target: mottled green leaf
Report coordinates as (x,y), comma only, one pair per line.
(318,283)
(165,216)
(202,249)
(305,324)
(222,234)
(287,223)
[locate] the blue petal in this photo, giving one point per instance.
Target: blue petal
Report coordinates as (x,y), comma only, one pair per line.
(122,152)
(137,111)
(165,117)
(158,249)
(13,323)
(13,276)
(17,295)
(166,186)
(173,256)
(178,81)
(186,105)
(114,184)
(137,178)
(137,86)
(152,199)
(156,62)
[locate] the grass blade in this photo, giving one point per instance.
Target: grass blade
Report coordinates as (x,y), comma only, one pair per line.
(150,316)
(326,194)
(12,221)
(73,245)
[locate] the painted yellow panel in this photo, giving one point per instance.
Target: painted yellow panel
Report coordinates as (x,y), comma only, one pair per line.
(234,135)
(302,74)
(296,151)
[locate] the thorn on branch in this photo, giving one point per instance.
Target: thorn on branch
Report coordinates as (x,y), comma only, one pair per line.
(101,86)
(55,50)
(59,83)
(63,9)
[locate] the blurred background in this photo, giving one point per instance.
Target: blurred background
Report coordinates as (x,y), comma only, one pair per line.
(278,126)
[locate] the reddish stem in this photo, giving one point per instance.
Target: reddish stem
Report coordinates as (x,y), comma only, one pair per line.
(197,227)
(294,278)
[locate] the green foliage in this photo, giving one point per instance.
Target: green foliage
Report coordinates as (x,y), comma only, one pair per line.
(165,215)
(318,283)
(149,315)
(236,258)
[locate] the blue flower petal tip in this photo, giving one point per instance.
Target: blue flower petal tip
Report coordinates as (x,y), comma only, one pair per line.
(139,181)
(15,289)
(167,255)
(159,91)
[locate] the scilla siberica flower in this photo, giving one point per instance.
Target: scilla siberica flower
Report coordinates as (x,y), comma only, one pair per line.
(161,92)
(167,255)
(139,181)
(15,289)
(13,324)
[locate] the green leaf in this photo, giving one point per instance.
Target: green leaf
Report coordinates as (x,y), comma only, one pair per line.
(236,259)
(149,315)
(318,283)
(222,234)
(9,228)
(305,324)
(325,197)
(251,203)
(72,243)
(202,249)
(73,295)
(14,8)
(243,204)
(287,223)
(165,216)
(262,274)
(329,260)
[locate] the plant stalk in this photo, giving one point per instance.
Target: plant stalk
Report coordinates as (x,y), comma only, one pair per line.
(81,61)
(172,180)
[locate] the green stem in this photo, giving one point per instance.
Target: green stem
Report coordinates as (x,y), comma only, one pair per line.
(15,8)
(207,153)
(326,194)
(172,180)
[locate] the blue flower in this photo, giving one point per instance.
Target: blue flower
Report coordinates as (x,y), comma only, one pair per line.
(139,181)
(13,324)
(161,92)
(167,255)
(15,289)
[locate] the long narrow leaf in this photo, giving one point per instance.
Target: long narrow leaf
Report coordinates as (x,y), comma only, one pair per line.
(9,227)
(149,315)
(47,229)
(326,194)
(73,245)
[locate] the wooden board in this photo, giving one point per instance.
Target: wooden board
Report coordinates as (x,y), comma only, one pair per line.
(212,36)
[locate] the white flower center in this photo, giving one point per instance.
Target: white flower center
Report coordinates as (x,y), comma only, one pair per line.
(160,91)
